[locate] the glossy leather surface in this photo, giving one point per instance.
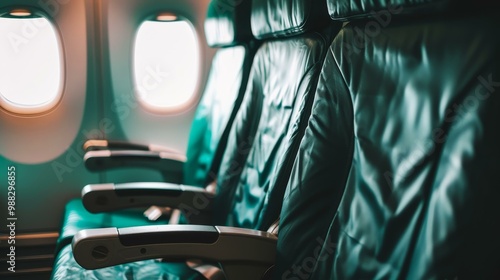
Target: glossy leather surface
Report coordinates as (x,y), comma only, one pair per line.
(228,23)
(420,200)
(214,111)
(318,178)
(277,105)
(278,18)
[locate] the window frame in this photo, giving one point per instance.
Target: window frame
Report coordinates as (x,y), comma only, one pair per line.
(45,108)
(192,100)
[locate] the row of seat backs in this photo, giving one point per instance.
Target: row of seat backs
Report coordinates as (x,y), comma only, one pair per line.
(228,26)
(353,136)
(272,118)
(271,121)
(396,177)
(268,128)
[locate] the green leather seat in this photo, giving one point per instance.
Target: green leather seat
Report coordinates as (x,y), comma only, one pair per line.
(266,132)
(230,31)
(397,175)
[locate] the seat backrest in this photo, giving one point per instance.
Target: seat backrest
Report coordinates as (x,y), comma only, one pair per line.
(226,27)
(411,92)
(272,119)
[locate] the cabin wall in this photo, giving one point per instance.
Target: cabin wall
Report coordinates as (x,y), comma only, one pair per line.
(46,150)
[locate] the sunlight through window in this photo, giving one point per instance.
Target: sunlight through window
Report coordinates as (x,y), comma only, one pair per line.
(30,65)
(166,64)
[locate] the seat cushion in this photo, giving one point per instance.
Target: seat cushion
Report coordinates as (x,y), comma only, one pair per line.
(66,268)
(76,218)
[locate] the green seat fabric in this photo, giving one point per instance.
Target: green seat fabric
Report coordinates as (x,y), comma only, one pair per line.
(76,218)
(67,268)
(397,174)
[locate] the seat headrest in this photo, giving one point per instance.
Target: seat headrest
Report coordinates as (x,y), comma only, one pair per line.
(228,23)
(345,10)
(283,18)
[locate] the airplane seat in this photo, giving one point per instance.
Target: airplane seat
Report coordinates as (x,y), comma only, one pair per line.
(254,170)
(411,91)
(229,31)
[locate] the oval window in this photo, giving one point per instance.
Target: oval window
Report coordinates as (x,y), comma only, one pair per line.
(166,64)
(31,68)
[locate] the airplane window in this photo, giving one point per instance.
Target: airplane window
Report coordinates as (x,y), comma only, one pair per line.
(31,63)
(166,63)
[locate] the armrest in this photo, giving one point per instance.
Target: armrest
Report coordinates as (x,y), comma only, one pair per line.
(194,202)
(242,253)
(96,144)
(106,159)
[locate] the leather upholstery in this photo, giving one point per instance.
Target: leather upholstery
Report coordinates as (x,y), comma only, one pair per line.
(318,178)
(278,18)
(420,201)
(230,68)
(268,129)
(76,218)
(228,23)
